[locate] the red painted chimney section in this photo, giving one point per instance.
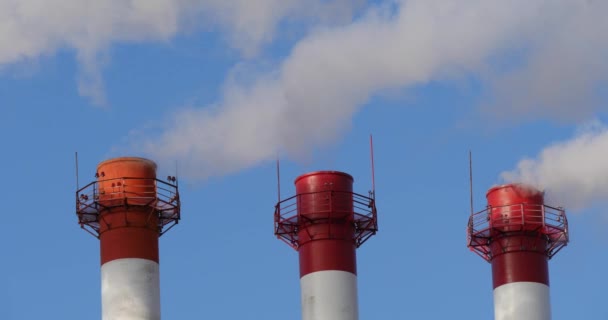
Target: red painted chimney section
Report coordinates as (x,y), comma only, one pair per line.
(517,233)
(325,222)
(128,209)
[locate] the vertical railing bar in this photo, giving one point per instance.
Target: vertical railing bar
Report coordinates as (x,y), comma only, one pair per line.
(542,213)
(489,217)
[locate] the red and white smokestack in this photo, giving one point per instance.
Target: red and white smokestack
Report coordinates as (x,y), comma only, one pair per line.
(325,222)
(517,233)
(127,208)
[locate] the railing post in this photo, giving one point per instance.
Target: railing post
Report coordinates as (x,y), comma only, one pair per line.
(155,193)
(95,192)
(542,214)
(298,205)
(489,217)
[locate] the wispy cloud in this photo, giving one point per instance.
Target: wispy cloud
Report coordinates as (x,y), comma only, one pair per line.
(311,97)
(574,172)
(29,29)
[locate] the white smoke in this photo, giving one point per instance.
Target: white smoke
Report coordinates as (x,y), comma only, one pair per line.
(574,172)
(554,52)
(34,28)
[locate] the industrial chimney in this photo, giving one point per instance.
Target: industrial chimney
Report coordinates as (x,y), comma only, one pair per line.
(325,222)
(517,233)
(127,208)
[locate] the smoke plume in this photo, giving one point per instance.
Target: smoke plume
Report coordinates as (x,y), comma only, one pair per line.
(33,28)
(537,57)
(574,172)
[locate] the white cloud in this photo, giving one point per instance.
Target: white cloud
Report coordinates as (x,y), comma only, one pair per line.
(573,172)
(565,66)
(31,28)
(251,24)
(311,97)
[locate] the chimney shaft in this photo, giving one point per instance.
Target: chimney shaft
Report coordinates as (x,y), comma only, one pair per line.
(127,209)
(518,234)
(326,229)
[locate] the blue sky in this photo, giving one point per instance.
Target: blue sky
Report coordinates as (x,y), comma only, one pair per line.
(505,98)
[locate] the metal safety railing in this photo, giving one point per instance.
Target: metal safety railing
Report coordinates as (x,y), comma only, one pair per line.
(329,207)
(496,222)
(99,196)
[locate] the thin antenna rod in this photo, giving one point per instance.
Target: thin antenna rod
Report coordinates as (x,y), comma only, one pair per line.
(471,179)
(76,160)
(371,149)
(278,181)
